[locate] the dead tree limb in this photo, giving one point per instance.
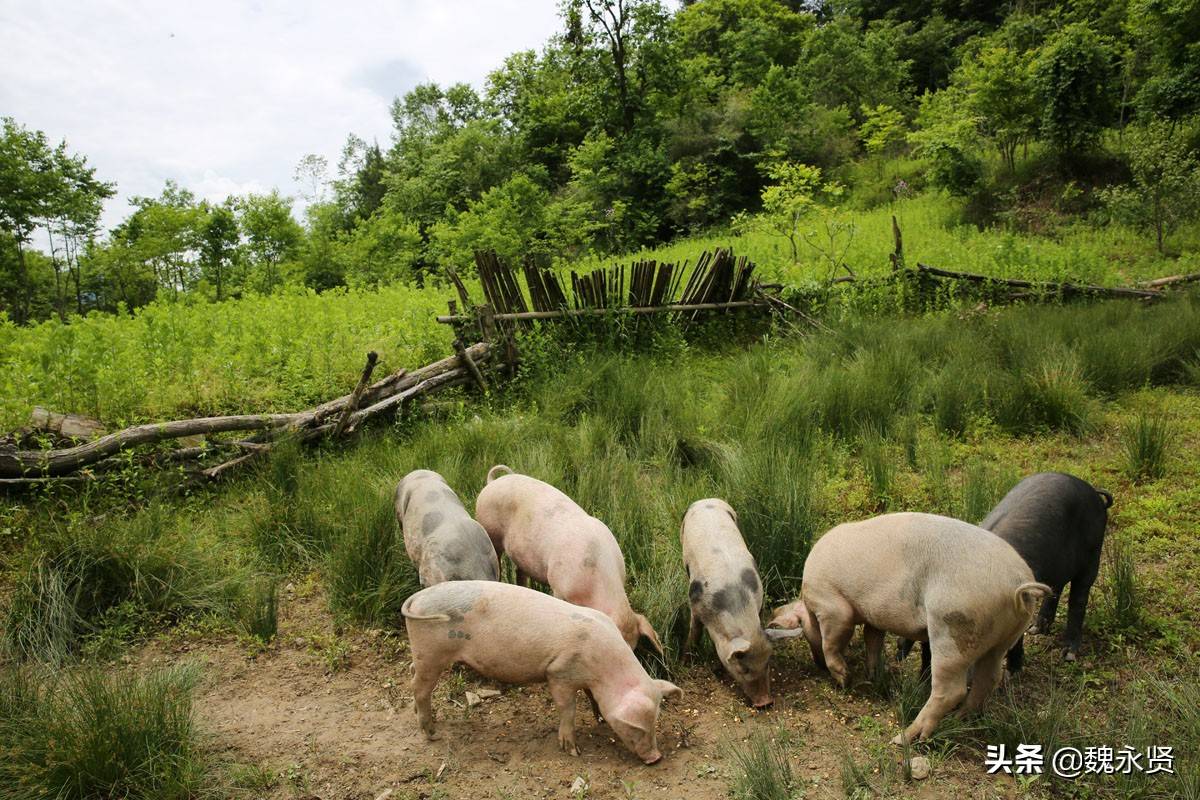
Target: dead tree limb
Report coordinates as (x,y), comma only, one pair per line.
(1045,286)
(1170,280)
(16,463)
(470,365)
(356,395)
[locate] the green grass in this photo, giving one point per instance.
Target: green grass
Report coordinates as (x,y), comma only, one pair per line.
(86,734)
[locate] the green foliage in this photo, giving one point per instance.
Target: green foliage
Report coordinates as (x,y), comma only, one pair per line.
(368,574)
(882,129)
(1121,582)
(89,733)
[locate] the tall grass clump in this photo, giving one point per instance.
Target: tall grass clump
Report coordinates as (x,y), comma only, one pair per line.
(878,464)
(775,490)
(982,487)
(77,574)
(1144,443)
(1124,596)
(288,529)
(762,770)
(84,734)
(368,574)
(260,610)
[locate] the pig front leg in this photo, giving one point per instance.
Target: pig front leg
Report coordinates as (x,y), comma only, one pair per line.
(564,697)
(835,636)
(595,706)
(693,634)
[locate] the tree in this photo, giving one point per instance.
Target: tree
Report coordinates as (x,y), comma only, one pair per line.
(312,173)
(945,135)
(998,82)
(881,130)
(380,250)
(273,237)
(1166,180)
(1074,78)
(219,239)
(56,191)
(793,196)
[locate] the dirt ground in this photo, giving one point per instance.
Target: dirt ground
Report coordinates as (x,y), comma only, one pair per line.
(330,716)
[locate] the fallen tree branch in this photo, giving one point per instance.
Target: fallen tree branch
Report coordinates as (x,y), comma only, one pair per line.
(356,395)
(1065,288)
(16,463)
(1170,280)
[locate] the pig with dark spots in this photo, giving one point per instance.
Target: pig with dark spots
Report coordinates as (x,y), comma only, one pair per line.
(521,636)
(725,596)
(923,577)
(1056,522)
(552,540)
(441,538)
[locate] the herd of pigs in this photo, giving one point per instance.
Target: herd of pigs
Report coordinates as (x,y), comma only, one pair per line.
(967,593)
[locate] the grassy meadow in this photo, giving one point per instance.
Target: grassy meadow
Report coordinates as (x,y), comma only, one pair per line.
(939,413)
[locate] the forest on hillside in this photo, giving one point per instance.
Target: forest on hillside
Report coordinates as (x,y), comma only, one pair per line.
(639,123)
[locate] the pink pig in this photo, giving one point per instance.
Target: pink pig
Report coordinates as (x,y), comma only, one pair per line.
(552,540)
(518,635)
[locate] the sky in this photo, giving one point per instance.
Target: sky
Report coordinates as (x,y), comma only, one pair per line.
(226,97)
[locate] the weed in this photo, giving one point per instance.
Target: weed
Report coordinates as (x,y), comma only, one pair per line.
(1124,597)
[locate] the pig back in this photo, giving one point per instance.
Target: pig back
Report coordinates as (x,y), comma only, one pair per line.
(1055,521)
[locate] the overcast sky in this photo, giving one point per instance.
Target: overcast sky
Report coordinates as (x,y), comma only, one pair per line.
(225,97)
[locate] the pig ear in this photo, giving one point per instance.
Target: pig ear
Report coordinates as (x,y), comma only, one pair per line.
(669,690)
(775,634)
(647,630)
(739,647)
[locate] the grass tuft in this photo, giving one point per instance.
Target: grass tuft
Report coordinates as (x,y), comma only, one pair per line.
(762,769)
(1144,442)
(89,734)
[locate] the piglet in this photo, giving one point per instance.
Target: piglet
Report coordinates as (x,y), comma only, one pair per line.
(517,635)
(725,595)
(926,578)
(552,540)
(1056,522)
(441,538)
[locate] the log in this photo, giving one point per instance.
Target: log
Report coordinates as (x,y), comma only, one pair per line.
(70,426)
(1170,280)
(16,463)
(578,312)
(356,395)
(1065,288)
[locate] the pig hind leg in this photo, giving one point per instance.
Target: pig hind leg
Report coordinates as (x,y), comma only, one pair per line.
(426,672)
(1081,586)
(948,690)
(564,698)
(1045,617)
(983,682)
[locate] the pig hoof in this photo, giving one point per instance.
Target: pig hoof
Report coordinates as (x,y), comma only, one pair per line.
(898,739)
(1069,655)
(568,747)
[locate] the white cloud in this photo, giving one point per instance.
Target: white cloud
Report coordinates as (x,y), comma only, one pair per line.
(227,96)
